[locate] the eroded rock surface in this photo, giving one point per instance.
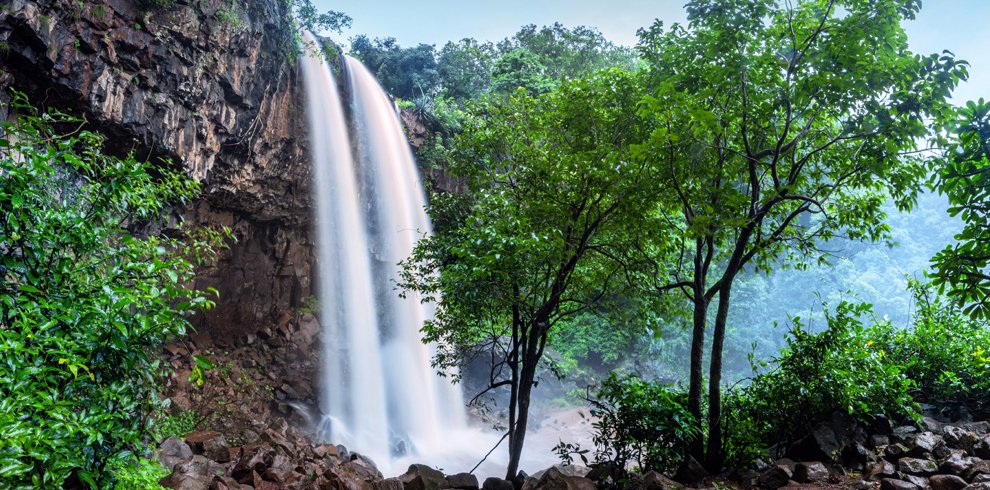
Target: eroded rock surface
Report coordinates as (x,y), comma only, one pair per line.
(207,85)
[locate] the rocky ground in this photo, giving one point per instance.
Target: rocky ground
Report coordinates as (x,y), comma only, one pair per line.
(251,432)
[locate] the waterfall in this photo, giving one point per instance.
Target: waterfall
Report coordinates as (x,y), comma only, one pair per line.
(378,393)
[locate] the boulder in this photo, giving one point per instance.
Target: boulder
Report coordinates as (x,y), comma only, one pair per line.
(652,480)
(923,444)
(553,479)
(879,470)
(978,467)
(917,466)
(895,484)
(465,481)
(946,482)
(173,451)
(209,444)
(810,472)
(690,471)
(493,483)
(775,477)
(196,473)
(958,438)
(895,451)
(977,486)
(957,463)
(422,477)
(918,481)
(821,444)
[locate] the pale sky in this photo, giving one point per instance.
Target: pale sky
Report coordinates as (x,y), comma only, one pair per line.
(957,25)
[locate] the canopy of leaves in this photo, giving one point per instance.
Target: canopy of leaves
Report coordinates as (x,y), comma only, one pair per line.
(961,268)
(83,301)
(404,72)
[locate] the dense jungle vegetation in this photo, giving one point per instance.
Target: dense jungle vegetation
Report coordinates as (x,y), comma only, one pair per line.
(618,210)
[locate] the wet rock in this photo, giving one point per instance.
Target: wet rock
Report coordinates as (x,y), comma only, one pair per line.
(652,480)
(895,451)
(957,463)
(173,451)
(690,471)
(553,479)
(977,486)
(492,483)
(923,444)
(917,466)
(958,438)
(980,428)
(821,444)
(946,482)
(775,477)
(225,483)
(879,470)
(879,440)
(196,473)
(903,431)
(978,467)
(810,472)
(422,477)
(918,481)
(895,484)
(465,481)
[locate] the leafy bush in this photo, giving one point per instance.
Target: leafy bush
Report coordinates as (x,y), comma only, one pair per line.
(85,299)
(945,352)
(137,474)
(637,422)
(843,367)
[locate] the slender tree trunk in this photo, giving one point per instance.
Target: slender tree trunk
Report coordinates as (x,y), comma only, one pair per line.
(517,433)
(715,457)
(697,448)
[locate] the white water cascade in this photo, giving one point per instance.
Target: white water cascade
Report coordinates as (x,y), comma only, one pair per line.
(379,394)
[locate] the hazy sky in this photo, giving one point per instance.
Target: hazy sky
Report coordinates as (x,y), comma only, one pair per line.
(957,25)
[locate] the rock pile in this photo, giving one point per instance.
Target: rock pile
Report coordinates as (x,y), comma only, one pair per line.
(937,457)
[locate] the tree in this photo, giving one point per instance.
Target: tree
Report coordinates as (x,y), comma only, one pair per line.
(964,176)
(465,68)
(85,299)
(552,187)
(778,126)
(520,68)
(406,73)
(569,53)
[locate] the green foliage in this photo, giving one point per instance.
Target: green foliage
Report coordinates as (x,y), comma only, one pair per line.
(946,353)
(778,127)
(637,422)
(465,68)
(520,68)
(87,295)
(406,73)
(180,424)
(964,175)
(302,15)
(569,53)
(137,474)
(551,188)
(843,367)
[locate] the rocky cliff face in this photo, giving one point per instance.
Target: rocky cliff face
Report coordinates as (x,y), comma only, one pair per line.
(206,84)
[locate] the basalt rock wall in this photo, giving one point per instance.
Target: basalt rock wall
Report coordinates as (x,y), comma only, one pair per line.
(207,85)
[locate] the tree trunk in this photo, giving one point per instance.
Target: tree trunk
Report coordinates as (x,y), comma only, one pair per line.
(697,448)
(715,457)
(517,433)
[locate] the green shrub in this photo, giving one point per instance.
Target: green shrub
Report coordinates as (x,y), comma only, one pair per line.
(137,474)
(844,367)
(85,300)
(637,422)
(945,352)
